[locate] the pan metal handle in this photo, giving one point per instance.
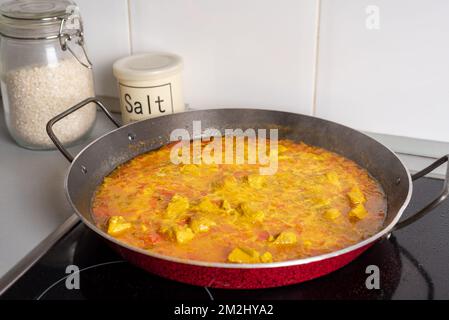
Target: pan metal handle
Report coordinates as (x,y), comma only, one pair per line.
(64,114)
(435,202)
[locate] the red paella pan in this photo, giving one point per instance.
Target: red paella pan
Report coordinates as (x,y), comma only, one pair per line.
(101,157)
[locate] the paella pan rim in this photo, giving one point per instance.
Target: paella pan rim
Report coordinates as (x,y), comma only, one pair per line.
(287,263)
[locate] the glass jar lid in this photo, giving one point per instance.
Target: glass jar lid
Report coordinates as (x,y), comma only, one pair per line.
(34,19)
(35,9)
(44,20)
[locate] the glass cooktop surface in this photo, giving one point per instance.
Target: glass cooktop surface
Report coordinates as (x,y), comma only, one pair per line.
(413,264)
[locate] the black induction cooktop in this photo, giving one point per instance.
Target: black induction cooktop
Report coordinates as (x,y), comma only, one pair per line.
(413,264)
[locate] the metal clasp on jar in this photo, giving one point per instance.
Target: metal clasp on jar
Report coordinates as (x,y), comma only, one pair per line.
(72,28)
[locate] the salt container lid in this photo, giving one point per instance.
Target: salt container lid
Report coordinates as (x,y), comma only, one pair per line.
(147,66)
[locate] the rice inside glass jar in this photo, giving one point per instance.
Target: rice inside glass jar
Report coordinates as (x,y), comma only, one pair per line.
(44,71)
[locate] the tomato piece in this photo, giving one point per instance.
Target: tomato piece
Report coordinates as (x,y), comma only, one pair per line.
(152,238)
(263,235)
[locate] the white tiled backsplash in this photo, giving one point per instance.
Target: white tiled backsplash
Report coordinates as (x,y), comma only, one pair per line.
(392,79)
(106,24)
(256,53)
(376,65)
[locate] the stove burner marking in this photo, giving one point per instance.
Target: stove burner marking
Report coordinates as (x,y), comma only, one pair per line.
(71,275)
(209,293)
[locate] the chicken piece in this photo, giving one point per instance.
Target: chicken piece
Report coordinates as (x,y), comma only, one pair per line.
(277,152)
(281,148)
(147,191)
(251,213)
(225,205)
(266,257)
(320,202)
(118,225)
(244,255)
(310,156)
(229,182)
(190,169)
(177,206)
(356,196)
(332,214)
(207,206)
(181,234)
(143,227)
(201,224)
(332,177)
(307,244)
(358,212)
(256,181)
(286,237)
(184,235)
(231,212)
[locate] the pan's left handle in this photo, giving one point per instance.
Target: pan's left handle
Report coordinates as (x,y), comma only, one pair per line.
(64,114)
(444,193)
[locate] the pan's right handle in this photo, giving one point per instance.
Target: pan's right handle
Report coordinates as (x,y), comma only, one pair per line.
(64,114)
(435,202)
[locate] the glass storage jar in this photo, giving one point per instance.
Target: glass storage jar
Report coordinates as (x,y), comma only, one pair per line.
(44,70)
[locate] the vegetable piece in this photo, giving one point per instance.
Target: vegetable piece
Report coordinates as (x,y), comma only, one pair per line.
(286,237)
(356,196)
(201,224)
(358,212)
(178,205)
(332,214)
(263,235)
(256,181)
(244,255)
(151,239)
(118,225)
(251,213)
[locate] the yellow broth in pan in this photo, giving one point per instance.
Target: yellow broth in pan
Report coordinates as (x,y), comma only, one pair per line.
(316,202)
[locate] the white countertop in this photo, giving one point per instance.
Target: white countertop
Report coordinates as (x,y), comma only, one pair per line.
(32,200)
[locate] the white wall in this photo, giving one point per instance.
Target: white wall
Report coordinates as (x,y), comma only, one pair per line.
(394,79)
(106,24)
(317,57)
(254,53)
